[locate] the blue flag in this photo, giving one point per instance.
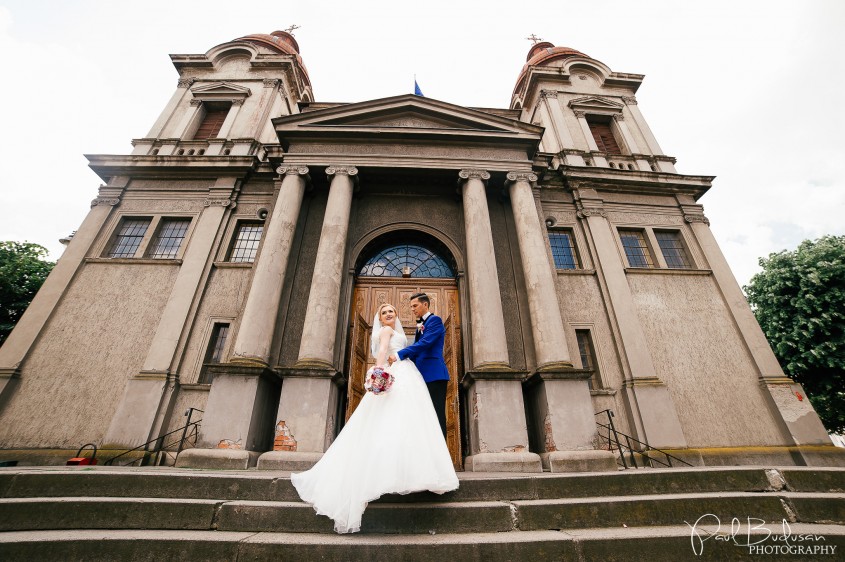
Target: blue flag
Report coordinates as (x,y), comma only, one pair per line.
(417,91)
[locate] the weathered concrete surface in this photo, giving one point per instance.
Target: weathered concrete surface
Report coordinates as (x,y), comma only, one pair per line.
(224,459)
(579,461)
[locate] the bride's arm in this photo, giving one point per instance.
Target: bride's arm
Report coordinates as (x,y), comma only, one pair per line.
(383,342)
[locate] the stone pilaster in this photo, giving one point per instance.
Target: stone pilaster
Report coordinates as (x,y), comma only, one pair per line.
(237,423)
(653,409)
(599,161)
(489,345)
(786,398)
(146,399)
(17,346)
(631,143)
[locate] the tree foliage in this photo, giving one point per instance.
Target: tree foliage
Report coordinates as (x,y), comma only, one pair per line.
(23,270)
(799,301)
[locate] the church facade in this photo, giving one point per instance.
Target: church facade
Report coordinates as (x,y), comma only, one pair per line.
(233,262)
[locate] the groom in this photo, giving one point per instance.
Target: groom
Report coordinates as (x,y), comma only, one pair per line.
(427,354)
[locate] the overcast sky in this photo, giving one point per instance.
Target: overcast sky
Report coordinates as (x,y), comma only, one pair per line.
(747,91)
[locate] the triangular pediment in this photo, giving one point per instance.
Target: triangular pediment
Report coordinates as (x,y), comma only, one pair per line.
(220,90)
(596,103)
(406,115)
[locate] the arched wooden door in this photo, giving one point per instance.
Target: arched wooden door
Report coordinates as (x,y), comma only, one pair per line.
(371,293)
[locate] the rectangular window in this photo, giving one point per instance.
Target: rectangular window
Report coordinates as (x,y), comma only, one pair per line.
(673,249)
(563,249)
(128,238)
(212,121)
(170,237)
(246,242)
(603,136)
(636,249)
(214,353)
(588,356)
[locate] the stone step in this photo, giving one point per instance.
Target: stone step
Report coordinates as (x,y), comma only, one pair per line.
(24,514)
(655,544)
(268,486)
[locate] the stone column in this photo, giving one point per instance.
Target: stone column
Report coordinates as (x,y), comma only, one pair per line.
(316,348)
(306,414)
(143,146)
(631,143)
(560,128)
(799,420)
(188,117)
(147,396)
(653,409)
(498,430)
(19,343)
(599,161)
(489,345)
(255,331)
(561,395)
(546,322)
(229,122)
(237,423)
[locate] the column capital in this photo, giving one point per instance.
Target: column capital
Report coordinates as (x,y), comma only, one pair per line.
(696,217)
(271,82)
(225,203)
(618,117)
(350,171)
(578,113)
(184,82)
(292,170)
(196,102)
(237,102)
(528,177)
(629,100)
(548,93)
(113,201)
(470,173)
(589,209)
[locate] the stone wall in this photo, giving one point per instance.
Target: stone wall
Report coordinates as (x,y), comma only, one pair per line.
(699,354)
(97,338)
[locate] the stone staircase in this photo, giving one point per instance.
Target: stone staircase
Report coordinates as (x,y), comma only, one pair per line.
(104,513)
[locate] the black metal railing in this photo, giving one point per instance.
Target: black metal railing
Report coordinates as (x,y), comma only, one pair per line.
(153,449)
(621,442)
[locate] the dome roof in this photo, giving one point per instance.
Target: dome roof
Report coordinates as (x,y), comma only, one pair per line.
(543,53)
(281,41)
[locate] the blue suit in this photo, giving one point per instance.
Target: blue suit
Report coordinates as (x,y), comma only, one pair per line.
(427,350)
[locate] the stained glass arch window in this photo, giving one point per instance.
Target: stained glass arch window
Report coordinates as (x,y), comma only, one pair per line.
(407,259)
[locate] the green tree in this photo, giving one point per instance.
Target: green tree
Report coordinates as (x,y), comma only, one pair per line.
(23,270)
(799,300)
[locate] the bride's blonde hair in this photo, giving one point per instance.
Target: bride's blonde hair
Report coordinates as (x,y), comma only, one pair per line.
(377,325)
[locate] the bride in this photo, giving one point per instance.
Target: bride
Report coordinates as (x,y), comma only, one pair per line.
(392,444)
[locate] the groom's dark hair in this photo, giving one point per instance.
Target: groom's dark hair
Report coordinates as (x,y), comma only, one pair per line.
(422,297)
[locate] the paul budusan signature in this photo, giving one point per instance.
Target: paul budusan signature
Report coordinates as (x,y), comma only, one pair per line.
(784,541)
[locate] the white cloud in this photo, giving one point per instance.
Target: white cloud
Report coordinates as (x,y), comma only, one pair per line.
(744,91)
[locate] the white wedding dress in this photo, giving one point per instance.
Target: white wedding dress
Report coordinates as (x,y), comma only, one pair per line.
(391,444)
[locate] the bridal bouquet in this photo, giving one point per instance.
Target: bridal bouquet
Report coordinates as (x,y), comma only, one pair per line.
(378,380)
